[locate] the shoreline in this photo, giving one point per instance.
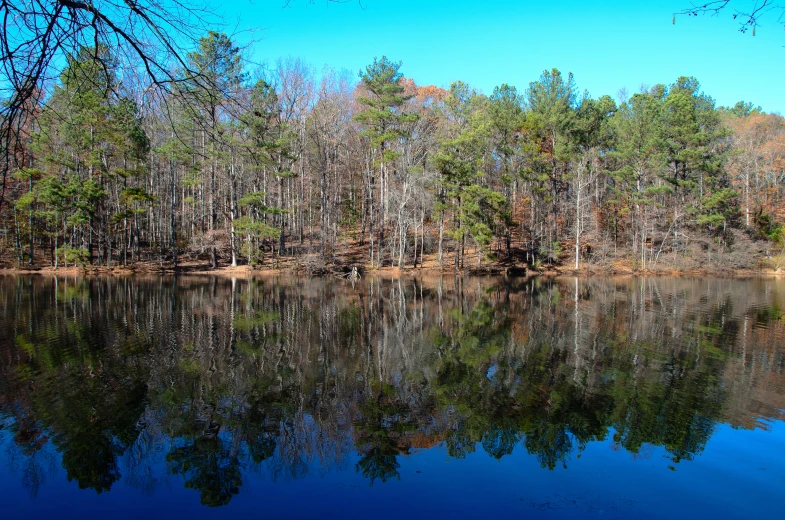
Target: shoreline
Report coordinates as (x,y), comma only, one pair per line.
(245,271)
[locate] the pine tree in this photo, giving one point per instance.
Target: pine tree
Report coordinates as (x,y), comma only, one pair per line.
(552,102)
(383,123)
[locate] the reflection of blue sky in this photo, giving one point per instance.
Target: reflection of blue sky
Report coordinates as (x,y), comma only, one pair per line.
(607,45)
(740,474)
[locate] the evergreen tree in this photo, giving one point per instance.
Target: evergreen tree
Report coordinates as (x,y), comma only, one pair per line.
(383,123)
(552,101)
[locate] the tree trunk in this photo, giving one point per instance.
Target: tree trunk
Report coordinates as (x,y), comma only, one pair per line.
(172,211)
(233,208)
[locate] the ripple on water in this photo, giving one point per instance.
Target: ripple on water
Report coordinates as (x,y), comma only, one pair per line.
(218,392)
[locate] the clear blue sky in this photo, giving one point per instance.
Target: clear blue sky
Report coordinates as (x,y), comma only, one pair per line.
(607,45)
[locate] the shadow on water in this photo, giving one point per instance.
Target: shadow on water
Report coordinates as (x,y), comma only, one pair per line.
(214,380)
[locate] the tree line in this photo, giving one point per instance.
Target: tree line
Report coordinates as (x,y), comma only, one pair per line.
(290,166)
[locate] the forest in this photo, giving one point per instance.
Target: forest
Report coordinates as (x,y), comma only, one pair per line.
(287,166)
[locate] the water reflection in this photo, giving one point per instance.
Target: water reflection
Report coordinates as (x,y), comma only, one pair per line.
(208,381)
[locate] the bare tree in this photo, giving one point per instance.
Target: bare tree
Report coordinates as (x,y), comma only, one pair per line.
(147,37)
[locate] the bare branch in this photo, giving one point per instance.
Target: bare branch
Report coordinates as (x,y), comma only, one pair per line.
(37,37)
(748,18)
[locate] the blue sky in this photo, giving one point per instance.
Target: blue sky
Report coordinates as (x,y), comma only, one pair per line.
(607,45)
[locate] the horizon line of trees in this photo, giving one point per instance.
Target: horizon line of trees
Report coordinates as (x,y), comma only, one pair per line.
(320,170)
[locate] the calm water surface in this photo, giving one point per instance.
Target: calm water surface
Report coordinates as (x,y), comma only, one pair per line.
(199,398)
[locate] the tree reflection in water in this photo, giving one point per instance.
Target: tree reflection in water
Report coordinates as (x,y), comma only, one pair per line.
(212,378)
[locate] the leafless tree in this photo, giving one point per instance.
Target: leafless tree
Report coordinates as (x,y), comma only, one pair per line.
(147,37)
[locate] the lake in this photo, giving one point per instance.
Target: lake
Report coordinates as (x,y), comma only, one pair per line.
(198,397)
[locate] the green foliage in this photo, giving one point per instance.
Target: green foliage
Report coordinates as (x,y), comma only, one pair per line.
(690,127)
(271,140)
(218,65)
(769,229)
(720,210)
(72,255)
(209,467)
(381,116)
(136,195)
(246,323)
(744,108)
(482,210)
(552,98)
(481,213)
(254,230)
